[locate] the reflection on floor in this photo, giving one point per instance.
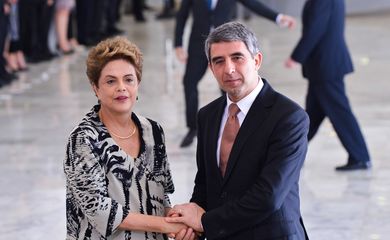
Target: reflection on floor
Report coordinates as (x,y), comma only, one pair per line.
(38,111)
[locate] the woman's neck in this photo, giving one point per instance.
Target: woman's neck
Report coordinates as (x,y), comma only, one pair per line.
(120,125)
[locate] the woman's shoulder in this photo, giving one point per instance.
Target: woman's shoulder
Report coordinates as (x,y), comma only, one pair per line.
(146,122)
(88,126)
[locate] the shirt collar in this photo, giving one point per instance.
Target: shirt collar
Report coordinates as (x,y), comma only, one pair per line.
(246,103)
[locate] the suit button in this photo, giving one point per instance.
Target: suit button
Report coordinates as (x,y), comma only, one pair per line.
(223,195)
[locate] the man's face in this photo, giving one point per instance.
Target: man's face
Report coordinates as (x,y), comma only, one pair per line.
(234,68)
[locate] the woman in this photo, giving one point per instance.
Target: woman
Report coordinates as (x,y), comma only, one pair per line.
(116,166)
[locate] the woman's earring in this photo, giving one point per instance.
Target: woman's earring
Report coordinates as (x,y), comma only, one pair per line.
(136,98)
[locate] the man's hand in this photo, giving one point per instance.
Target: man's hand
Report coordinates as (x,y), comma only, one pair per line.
(184,234)
(290,63)
(189,213)
(181,54)
(287,21)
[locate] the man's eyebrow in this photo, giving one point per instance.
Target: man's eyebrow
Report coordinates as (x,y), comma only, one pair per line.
(237,54)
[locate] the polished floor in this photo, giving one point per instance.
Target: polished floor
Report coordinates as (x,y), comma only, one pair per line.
(38,111)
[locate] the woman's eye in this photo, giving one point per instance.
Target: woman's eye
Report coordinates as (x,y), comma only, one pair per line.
(110,81)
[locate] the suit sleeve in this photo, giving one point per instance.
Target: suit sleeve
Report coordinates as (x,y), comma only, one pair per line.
(199,193)
(280,174)
(260,9)
(316,22)
(181,19)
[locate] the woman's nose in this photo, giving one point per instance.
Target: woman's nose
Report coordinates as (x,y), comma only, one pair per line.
(121,86)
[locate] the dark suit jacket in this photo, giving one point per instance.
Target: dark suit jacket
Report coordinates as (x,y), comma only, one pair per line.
(259,197)
(203,19)
(322,50)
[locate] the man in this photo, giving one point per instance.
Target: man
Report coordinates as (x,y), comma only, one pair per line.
(325,60)
(207,14)
(253,192)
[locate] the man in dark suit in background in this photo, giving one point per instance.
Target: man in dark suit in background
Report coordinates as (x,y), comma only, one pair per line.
(325,60)
(207,14)
(254,195)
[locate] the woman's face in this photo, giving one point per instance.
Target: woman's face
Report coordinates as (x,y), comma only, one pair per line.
(117,87)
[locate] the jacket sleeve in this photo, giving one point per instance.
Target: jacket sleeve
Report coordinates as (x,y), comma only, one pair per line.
(199,193)
(260,9)
(181,19)
(279,176)
(87,187)
(315,24)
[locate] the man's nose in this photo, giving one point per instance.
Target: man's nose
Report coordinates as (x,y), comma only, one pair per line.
(230,68)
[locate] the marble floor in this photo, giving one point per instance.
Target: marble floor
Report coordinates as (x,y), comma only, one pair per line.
(38,111)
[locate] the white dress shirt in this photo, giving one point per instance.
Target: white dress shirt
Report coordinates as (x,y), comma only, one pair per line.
(244,105)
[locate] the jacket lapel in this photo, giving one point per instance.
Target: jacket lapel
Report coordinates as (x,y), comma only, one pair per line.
(253,120)
(215,123)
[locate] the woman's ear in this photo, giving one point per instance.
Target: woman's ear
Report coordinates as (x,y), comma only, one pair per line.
(95,89)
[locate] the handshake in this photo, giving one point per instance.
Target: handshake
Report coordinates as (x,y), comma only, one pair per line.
(186,220)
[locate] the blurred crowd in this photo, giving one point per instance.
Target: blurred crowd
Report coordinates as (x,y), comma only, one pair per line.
(25,27)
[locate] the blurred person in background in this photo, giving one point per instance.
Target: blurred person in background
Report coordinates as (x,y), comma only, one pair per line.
(15,55)
(63,10)
(5,77)
(325,60)
(168,10)
(35,19)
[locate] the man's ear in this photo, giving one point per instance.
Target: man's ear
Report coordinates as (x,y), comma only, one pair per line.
(211,67)
(258,60)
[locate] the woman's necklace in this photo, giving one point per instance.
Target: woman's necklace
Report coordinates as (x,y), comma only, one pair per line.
(116,135)
(126,137)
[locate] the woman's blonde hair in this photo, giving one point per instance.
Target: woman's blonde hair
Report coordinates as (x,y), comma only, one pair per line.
(109,50)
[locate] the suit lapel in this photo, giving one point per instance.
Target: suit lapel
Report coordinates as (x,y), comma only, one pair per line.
(215,123)
(254,119)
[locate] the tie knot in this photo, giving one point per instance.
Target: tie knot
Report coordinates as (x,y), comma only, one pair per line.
(233,109)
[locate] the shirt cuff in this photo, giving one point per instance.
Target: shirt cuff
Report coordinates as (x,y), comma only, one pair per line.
(279,19)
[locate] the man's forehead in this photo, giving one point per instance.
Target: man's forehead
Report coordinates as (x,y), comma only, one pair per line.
(227,48)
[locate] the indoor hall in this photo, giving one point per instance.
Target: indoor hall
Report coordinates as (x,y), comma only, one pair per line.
(38,111)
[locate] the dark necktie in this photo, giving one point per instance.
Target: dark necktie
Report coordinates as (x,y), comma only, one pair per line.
(228,136)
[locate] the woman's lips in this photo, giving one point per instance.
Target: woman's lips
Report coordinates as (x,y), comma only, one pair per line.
(121,98)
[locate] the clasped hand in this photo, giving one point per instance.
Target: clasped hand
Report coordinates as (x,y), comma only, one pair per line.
(189,214)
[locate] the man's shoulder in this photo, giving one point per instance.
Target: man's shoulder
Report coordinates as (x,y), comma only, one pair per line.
(287,102)
(214,105)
